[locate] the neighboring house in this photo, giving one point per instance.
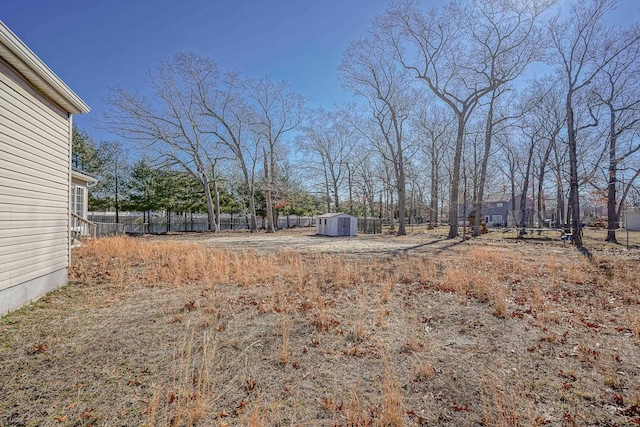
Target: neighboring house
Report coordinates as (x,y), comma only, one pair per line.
(497,211)
(336,224)
(35,174)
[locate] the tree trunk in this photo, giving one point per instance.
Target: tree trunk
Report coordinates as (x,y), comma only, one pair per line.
(573,175)
(391,212)
(335,194)
(488,134)
(455,180)
(543,166)
(350,191)
(211,213)
(253,225)
(267,197)
(326,184)
(525,189)
(433,206)
(116,197)
(613,168)
(216,204)
(401,203)
(272,181)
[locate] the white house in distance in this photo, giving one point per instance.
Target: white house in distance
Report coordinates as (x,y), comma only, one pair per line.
(336,224)
(36,110)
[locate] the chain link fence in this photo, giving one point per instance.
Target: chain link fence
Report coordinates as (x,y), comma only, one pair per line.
(137,223)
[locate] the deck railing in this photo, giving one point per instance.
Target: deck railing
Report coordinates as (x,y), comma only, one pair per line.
(81,228)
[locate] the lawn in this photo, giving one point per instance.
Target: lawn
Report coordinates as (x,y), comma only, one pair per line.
(294,330)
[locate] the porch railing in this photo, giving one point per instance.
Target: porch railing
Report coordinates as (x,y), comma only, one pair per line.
(82,229)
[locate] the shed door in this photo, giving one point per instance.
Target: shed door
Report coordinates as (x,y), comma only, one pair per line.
(343,226)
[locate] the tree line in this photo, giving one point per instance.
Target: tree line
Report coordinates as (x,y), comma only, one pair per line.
(450,103)
(142,186)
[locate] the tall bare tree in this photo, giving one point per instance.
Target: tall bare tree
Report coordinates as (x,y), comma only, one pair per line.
(227,117)
(509,36)
(369,70)
(434,126)
(167,122)
(329,140)
(582,53)
(463,54)
(278,111)
(618,89)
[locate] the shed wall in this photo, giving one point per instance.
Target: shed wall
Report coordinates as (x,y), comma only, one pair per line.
(329,226)
(34,190)
(633,220)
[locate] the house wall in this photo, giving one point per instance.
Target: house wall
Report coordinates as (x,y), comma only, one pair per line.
(34,191)
(78,183)
(493,208)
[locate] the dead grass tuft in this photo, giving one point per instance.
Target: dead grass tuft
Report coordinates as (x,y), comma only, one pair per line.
(283,354)
(392,407)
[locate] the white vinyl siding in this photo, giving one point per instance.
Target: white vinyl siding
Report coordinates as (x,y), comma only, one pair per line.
(34,183)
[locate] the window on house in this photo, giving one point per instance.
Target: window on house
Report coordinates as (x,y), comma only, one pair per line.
(499,205)
(77,205)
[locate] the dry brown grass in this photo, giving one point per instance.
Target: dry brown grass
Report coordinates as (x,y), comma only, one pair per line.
(393,412)
(283,354)
(168,333)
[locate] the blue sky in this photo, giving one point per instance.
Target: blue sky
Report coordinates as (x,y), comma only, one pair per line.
(92,44)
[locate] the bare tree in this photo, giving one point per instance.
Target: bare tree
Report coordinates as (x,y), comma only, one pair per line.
(582,54)
(543,120)
(365,180)
(329,140)
(278,112)
(462,55)
(168,123)
(434,126)
(228,118)
(509,36)
(618,89)
(370,71)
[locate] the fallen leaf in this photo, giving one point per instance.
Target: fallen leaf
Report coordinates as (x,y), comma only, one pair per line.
(618,399)
(88,414)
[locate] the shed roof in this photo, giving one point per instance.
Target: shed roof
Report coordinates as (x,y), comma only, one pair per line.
(20,57)
(334,214)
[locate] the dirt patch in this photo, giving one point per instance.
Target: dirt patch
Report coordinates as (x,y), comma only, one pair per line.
(293,329)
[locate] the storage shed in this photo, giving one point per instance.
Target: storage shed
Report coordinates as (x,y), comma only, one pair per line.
(632,219)
(35,174)
(336,224)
